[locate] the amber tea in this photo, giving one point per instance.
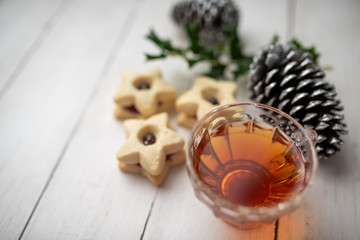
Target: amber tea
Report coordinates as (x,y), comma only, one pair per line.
(249,163)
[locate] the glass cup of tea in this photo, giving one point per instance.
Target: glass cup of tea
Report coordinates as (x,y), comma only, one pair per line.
(251,163)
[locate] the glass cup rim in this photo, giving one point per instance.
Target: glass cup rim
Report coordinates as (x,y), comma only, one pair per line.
(272,211)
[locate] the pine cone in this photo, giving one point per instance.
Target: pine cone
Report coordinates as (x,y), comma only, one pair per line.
(286,78)
(210,15)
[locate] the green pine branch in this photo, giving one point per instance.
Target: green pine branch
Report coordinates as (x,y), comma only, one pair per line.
(198,52)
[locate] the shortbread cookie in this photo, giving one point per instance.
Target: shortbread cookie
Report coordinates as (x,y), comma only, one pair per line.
(172,159)
(151,148)
(205,95)
(141,95)
(186,120)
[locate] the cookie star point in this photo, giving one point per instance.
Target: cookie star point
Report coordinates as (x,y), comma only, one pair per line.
(150,146)
(205,95)
(143,94)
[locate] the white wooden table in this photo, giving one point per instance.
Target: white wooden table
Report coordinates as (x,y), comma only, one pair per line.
(60,64)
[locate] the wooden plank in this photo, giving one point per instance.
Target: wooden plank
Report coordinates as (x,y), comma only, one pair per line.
(24,25)
(332,209)
(41,111)
(176,212)
(257,30)
(88,196)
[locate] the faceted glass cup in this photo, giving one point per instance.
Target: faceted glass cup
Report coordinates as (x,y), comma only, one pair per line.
(251,163)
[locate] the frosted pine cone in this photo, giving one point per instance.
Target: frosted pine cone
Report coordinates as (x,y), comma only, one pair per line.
(286,78)
(210,15)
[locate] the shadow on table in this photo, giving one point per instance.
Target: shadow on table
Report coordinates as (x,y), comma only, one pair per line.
(344,163)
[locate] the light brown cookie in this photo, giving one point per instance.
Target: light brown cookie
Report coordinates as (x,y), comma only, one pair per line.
(172,160)
(205,95)
(141,95)
(186,120)
(151,148)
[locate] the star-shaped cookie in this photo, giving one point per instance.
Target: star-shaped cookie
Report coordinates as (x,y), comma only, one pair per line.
(205,95)
(141,95)
(151,148)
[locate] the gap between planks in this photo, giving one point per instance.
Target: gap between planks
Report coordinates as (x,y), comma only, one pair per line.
(290,19)
(276,230)
(39,40)
(149,214)
(109,61)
